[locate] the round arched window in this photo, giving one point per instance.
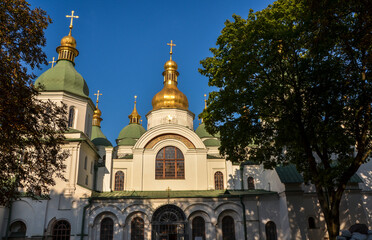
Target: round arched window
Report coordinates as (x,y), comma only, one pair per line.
(170,164)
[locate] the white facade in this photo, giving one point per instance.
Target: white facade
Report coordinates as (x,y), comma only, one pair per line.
(88,198)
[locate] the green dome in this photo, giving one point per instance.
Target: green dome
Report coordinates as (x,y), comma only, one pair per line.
(127,142)
(212,143)
(98,138)
(133,130)
(63,77)
(202,133)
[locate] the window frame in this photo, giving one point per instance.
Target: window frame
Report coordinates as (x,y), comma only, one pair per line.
(137,228)
(71,117)
(198,227)
(119,185)
(218,181)
(106,234)
(62,233)
(161,164)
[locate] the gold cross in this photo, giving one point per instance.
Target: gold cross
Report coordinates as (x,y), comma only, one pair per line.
(171,45)
(135,99)
(52,62)
(97,94)
(72,19)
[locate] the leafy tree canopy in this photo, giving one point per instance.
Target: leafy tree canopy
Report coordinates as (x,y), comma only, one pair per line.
(294,86)
(31,131)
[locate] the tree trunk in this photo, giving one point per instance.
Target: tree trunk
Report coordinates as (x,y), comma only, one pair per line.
(330,204)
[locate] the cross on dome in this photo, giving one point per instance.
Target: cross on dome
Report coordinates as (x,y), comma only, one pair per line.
(171,45)
(52,62)
(97,94)
(72,19)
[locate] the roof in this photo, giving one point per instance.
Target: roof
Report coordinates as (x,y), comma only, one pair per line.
(289,174)
(179,194)
(98,138)
(63,77)
(133,130)
(127,142)
(202,132)
(212,143)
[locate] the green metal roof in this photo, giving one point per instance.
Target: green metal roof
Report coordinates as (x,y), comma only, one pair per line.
(289,174)
(127,142)
(179,194)
(133,130)
(355,179)
(98,138)
(202,133)
(212,143)
(63,77)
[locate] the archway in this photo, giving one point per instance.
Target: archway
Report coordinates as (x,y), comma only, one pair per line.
(169,223)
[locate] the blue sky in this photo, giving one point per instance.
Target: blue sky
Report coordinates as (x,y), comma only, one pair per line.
(123,47)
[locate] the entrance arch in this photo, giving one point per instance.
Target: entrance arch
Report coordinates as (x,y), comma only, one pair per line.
(169,223)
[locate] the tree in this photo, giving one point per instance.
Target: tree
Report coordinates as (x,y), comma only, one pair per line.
(294,87)
(31,131)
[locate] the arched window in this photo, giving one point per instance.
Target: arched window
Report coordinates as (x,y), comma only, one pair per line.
(228,228)
(170,164)
(85,163)
(198,227)
(270,229)
(137,227)
(119,181)
(71,116)
(250,183)
(218,180)
(61,230)
(311,222)
(107,229)
(18,229)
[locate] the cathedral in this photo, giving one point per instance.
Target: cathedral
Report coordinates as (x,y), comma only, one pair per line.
(166,180)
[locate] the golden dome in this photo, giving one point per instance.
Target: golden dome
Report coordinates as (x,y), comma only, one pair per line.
(170,97)
(170,65)
(97,117)
(68,41)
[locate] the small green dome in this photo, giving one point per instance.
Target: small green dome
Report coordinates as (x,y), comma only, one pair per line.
(133,130)
(202,133)
(98,138)
(63,77)
(127,142)
(212,143)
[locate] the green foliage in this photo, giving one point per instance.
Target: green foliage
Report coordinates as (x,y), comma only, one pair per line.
(31,131)
(294,86)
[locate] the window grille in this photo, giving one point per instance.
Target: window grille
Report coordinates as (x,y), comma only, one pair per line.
(107,229)
(119,181)
(61,230)
(198,227)
(137,229)
(228,228)
(218,180)
(170,164)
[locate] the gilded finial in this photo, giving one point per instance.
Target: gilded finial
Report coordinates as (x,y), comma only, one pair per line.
(97,113)
(72,19)
(134,117)
(171,45)
(52,62)
(97,94)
